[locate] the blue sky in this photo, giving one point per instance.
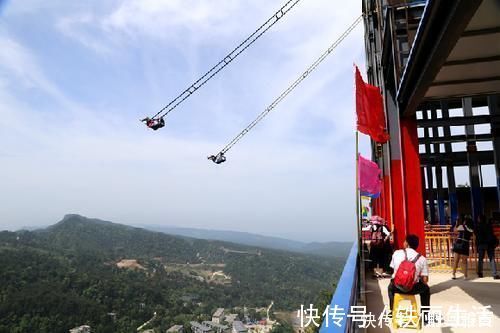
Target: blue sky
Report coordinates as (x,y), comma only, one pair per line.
(76,77)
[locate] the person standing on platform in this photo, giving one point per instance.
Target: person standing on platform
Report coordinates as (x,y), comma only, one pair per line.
(379,239)
(486,242)
(461,246)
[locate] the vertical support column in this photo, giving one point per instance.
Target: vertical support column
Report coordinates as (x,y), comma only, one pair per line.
(397,189)
(450,172)
(494,107)
(424,191)
(439,173)
(430,177)
(475,182)
(387,186)
(412,181)
(382,198)
(440,194)
(432,201)
(376,202)
(376,206)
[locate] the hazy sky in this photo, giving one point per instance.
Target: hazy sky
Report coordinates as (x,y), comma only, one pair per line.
(76,77)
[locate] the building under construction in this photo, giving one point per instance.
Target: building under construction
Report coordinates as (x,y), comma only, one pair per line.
(437,64)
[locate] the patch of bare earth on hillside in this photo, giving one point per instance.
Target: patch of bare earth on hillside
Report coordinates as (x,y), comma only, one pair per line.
(211,273)
(129,264)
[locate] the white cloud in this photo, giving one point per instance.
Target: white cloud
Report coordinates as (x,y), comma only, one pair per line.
(76,27)
(161,20)
(17,62)
(164,19)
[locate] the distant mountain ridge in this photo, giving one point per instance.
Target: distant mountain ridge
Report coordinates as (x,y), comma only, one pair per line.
(329,249)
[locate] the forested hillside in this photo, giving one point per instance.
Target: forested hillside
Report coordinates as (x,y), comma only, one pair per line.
(114,277)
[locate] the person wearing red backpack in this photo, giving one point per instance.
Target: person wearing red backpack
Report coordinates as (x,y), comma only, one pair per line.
(411,273)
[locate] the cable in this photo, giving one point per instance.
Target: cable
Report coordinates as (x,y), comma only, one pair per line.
(290,88)
(227,59)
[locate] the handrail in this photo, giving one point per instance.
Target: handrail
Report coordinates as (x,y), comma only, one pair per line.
(346,293)
(439,250)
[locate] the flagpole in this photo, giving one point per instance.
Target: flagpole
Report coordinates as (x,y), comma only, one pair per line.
(358,220)
(358,223)
(361,256)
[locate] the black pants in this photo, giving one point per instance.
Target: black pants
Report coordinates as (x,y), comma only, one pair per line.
(388,256)
(419,288)
(377,255)
(491,255)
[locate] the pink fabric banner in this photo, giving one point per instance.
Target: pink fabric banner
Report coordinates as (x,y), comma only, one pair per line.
(369,177)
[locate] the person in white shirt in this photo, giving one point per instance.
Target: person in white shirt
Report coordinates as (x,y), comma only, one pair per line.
(421,286)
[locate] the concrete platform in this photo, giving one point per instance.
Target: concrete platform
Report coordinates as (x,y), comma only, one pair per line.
(470,295)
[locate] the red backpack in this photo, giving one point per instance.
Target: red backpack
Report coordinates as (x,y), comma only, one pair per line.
(405,275)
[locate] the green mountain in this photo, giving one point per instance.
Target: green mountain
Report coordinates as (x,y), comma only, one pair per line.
(114,277)
(329,249)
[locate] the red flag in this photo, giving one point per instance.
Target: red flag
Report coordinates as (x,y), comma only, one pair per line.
(369,110)
(369,177)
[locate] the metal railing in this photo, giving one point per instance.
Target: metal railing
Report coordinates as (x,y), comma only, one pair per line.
(439,250)
(346,293)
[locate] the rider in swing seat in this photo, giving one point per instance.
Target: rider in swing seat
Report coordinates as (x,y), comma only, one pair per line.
(217,159)
(154,124)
